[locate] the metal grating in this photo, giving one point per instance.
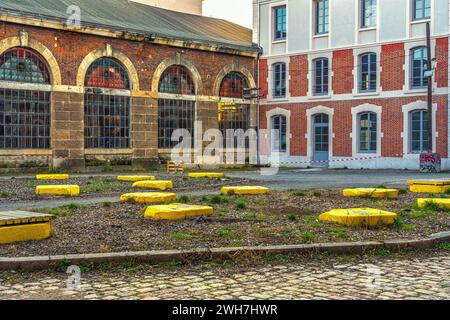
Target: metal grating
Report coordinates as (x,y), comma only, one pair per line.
(174,114)
(107,121)
(24,119)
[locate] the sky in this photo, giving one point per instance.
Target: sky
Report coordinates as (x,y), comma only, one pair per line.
(237,11)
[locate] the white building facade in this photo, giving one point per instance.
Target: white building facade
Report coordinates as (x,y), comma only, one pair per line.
(343,81)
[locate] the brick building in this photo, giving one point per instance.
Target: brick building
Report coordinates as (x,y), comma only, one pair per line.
(343,80)
(113,86)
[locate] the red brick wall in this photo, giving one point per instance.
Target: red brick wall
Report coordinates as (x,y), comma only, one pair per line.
(263,74)
(442,62)
(342,65)
(70,48)
(392,61)
(298,84)
(392,124)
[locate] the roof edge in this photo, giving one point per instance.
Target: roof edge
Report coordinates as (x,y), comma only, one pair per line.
(132,35)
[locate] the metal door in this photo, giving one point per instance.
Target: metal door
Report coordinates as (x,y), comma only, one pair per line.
(321,140)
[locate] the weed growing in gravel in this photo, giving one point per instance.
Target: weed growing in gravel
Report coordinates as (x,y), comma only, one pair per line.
(4,194)
(444,246)
(99,186)
(382,252)
(241,204)
(313,221)
(107,204)
(60,212)
(381,187)
(179,236)
(407,227)
(339,233)
(251,216)
(306,237)
(219,199)
(317,194)
(72,206)
(299,194)
(418,215)
(228,233)
(292,217)
(320,256)
(183,199)
(278,258)
(403,191)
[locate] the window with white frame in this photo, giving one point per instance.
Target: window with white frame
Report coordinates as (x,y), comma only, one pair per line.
(368,72)
(367,128)
(322,16)
(421,9)
(280,23)
(321,73)
(418,124)
(419,60)
(279,133)
(368,13)
(279,80)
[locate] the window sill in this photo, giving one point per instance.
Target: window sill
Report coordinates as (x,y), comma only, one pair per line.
(320,35)
(279,41)
(324,97)
(362,29)
(418,21)
(107,151)
(281,99)
(366,94)
(416,91)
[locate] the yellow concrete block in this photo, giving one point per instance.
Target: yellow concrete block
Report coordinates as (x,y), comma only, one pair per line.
(177,211)
(371,193)
(61,190)
(210,175)
(252,190)
(25,232)
(365,217)
(441,203)
(148,197)
(52,177)
(429,186)
(136,178)
(156,184)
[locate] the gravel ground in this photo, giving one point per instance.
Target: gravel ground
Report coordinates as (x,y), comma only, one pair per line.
(19,190)
(278,218)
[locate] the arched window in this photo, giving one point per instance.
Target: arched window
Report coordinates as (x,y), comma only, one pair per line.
(367,122)
(233,116)
(418,124)
(24,113)
(107,105)
(175,111)
(233,85)
(279,130)
(419,60)
(177,80)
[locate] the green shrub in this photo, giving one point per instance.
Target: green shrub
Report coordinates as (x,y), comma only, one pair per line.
(299,194)
(219,199)
(241,205)
(292,217)
(317,194)
(183,199)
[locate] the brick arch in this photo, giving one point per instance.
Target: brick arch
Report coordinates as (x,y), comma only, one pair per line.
(232,68)
(25,42)
(177,61)
(108,52)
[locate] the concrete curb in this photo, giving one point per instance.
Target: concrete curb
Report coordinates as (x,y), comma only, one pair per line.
(154,257)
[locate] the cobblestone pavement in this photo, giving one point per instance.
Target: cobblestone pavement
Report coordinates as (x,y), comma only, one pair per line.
(388,278)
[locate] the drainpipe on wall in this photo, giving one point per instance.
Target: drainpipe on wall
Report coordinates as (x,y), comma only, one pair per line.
(258,102)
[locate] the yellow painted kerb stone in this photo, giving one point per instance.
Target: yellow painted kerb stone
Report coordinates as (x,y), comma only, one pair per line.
(62,190)
(148,197)
(245,190)
(429,186)
(136,178)
(366,217)
(211,175)
(177,211)
(371,193)
(441,203)
(157,184)
(26,232)
(52,177)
